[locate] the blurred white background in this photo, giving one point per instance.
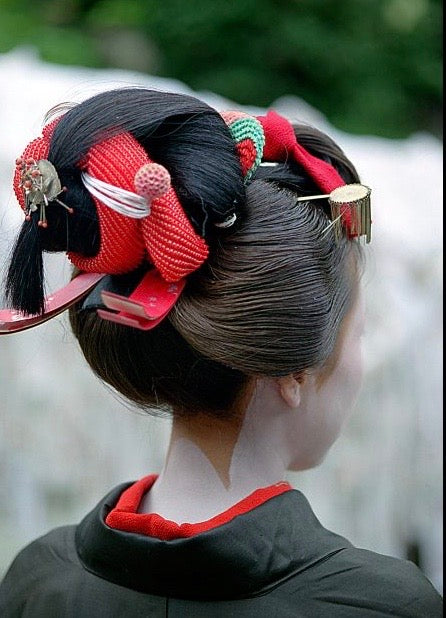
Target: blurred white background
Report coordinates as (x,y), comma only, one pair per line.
(65,440)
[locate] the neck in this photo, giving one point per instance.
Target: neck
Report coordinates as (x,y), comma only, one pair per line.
(216,463)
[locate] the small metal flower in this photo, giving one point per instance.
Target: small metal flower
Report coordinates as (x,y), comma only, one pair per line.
(41,185)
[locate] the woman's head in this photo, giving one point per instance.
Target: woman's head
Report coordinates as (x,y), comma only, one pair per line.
(271,297)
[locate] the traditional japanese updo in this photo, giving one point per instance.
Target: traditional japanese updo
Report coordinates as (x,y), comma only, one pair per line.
(270,298)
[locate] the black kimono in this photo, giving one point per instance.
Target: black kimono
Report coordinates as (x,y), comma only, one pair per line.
(275,561)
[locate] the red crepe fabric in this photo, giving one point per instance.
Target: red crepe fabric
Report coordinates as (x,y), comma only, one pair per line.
(126,518)
(281,144)
(166,236)
(115,161)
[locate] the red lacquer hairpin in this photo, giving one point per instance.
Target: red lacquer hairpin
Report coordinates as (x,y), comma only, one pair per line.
(12,321)
(147,305)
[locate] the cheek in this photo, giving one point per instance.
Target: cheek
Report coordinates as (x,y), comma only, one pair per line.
(319,421)
(349,370)
(344,384)
(352,372)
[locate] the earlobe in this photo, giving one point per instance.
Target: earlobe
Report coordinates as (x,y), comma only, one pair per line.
(290,390)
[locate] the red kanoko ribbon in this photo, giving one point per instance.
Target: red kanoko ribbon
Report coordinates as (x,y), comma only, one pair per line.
(281,144)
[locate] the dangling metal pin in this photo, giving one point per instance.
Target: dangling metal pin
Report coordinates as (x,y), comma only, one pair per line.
(334,223)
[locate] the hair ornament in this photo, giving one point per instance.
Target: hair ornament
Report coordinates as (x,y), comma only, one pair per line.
(152,180)
(141,222)
(145,307)
(160,231)
(350,204)
(229,222)
(124,202)
(352,200)
(12,321)
(247,133)
(40,185)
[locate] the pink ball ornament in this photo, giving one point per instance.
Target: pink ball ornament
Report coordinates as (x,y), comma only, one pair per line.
(152,180)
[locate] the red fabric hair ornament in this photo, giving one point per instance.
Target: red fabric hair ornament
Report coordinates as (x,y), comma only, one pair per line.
(167,236)
(350,204)
(116,171)
(281,144)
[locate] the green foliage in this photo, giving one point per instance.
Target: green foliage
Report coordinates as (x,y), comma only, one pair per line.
(372,66)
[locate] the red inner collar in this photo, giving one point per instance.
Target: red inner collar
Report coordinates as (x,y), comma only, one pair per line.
(125,516)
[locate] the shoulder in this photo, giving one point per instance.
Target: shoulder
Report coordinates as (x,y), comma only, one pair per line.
(361,579)
(51,555)
(57,546)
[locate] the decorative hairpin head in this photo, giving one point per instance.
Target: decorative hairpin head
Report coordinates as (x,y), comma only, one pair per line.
(353,203)
(350,207)
(152,180)
(350,204)
(41,185)
(247,133)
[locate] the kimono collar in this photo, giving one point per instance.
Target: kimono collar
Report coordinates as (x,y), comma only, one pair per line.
(249,554)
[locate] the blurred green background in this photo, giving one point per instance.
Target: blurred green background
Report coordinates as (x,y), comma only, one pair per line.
(371,66)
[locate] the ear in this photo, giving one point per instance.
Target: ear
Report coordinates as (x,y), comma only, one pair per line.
(290,390)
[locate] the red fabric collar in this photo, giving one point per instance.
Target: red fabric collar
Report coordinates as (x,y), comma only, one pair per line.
(125,516)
